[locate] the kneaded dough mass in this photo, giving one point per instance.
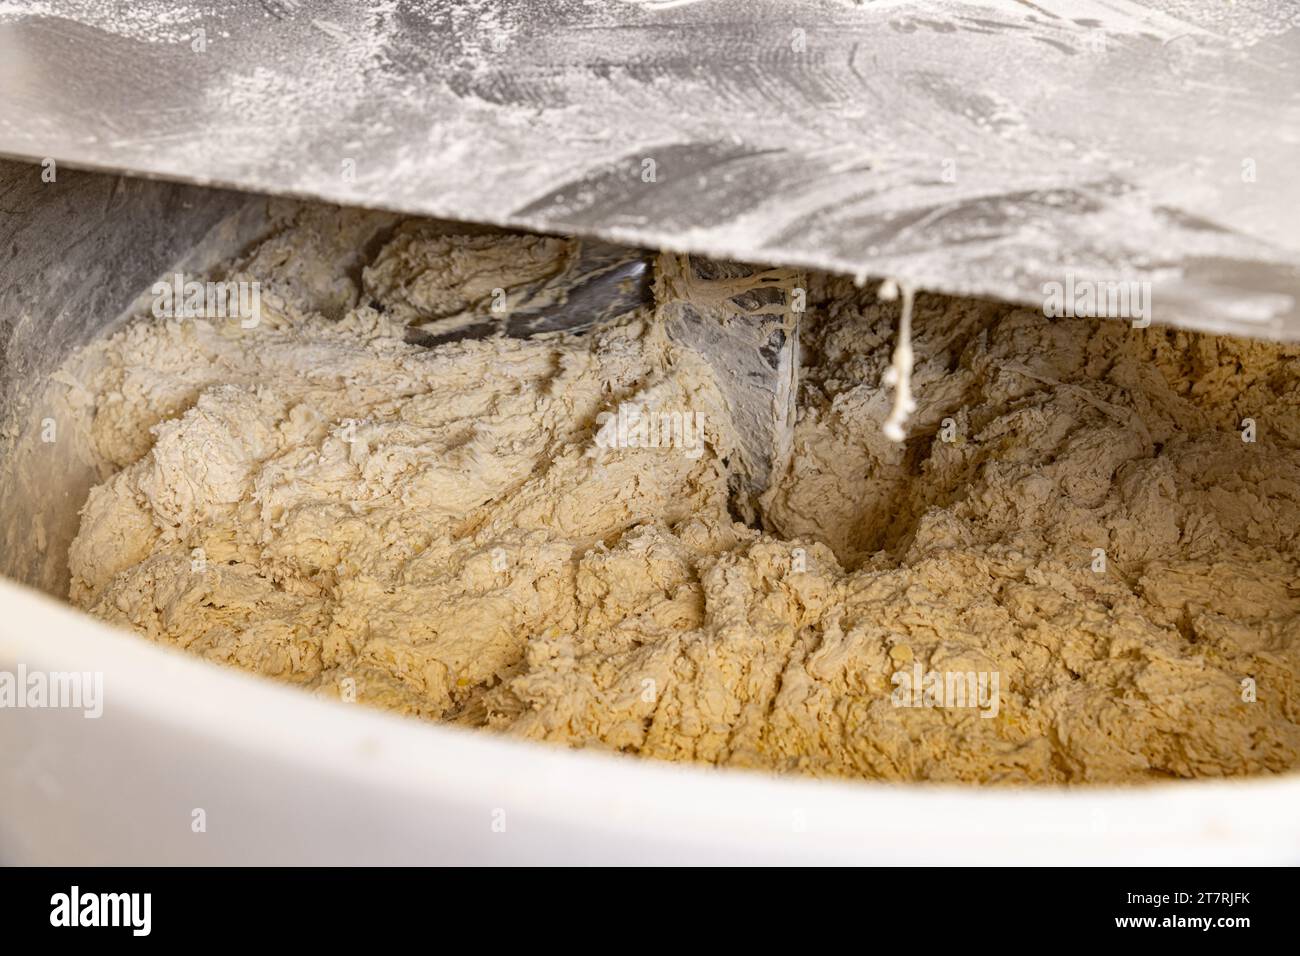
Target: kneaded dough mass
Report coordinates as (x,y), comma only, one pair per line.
(437,531)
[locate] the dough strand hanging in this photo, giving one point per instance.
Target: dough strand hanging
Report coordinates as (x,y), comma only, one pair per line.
(899,373)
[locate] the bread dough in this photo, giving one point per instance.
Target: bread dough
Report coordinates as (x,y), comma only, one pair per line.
(437,532)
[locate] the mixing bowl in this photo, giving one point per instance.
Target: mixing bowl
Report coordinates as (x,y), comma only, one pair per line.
(193,763)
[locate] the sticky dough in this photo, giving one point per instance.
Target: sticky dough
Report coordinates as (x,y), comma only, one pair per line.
(436,532)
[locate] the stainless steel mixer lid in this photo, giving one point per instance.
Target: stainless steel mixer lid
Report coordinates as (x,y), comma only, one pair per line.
(984,147)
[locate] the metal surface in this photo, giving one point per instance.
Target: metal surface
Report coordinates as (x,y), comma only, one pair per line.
(982,147)
(744,322)
(600,282)
(737,318)
(78,253)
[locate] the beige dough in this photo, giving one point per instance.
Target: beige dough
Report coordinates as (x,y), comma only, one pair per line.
(437,532)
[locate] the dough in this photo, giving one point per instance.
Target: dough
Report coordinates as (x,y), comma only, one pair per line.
(1073,513)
